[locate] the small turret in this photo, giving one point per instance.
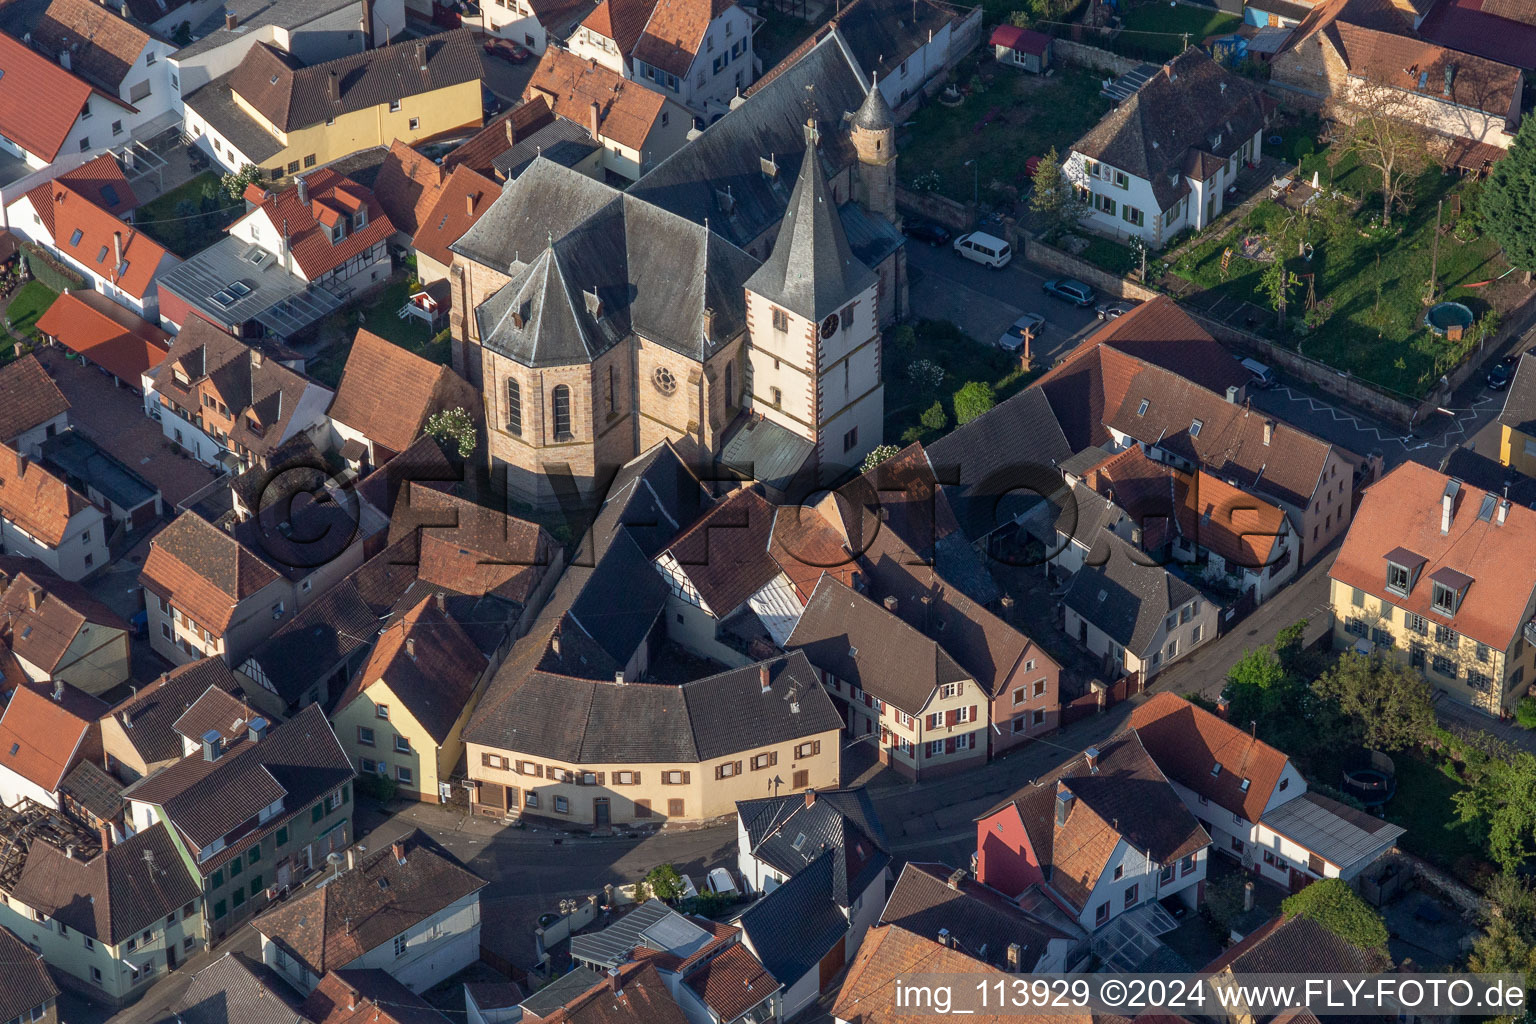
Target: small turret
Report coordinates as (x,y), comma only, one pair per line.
(873,135)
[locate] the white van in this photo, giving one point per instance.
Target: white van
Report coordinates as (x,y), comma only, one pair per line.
(1263,376)
(988,250)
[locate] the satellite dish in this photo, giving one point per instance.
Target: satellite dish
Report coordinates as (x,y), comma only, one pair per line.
(333,858)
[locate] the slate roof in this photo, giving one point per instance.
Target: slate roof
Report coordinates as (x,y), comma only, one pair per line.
(587,722)
(650,498)
(299,760)
(1125,598)
(39,128)
(103,45)
(718,176)
(116,894)
(1404,509)
(1192,106)
(156,707)
(725,553)
(380,1000)
(388,391)
(361,909)
(64,610)
(28,397)
(1519,412)
(235,990)
(1126,798)
(856,639)
(203,571)
(980,920)
(999,465)
(811,271)
(794,926)
(1187,741)
(24,980)
(303,95)
(652,273)
(840,822)
(39,501)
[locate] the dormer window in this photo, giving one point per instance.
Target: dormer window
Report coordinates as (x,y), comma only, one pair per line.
(1449,590)
(1443,599)
(1403,570)
(1399,579)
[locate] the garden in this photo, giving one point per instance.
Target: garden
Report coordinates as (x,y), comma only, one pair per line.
(27,303)
(939,377)
(1157,32)
(191,216)
(380,316)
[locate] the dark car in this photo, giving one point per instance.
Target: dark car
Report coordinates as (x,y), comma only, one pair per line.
(1069,290)
(490,103)
(506,49)
(927,231)
(1499,377)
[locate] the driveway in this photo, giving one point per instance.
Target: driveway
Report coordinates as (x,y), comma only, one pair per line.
(505,79)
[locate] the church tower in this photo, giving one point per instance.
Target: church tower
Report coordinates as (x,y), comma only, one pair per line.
(873,135)
(814,335)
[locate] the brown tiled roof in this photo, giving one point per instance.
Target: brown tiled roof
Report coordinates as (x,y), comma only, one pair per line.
(35,499)
(627,111)
(327,928)
(103,45)
(215,710)
(499,135)
(330,193)
(102,234)
(38,127)
(622,21)
(387,391)
(732,982)
(24,980)
(642,999)
(1296,944)
(725,553)
(1404,509)
(154,710)
(463,198)
(845,633)
(805,545)
(43,636)
(1523,11)
(92,325)
(203,571)
(28,397)
(675,32)
(366,997)
(406,186)
(1186,741)
(1400,60)
(430,665)
(472,549)
(40,739)
(1128,797)
(981,921)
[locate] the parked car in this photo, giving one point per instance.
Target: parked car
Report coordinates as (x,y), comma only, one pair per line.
(506,49)
(1012,339)
(1263,376)
(1499,377)
(719,881)
(988,250)
(490,103)
(689,892)
(1070,290)
(927,231)
(1113,310)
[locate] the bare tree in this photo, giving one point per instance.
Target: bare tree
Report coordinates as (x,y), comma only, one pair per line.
(1383,126)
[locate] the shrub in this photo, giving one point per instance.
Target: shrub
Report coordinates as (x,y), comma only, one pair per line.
(453,428)
(376,787)
(972,400)
(664,883)
(1333,904)
(880,453)
(934,418)
(1525,712)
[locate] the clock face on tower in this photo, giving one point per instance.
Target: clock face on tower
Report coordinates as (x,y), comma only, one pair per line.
(829,325)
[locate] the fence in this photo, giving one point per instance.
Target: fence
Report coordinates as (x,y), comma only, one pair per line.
(1099,698)
(49,270)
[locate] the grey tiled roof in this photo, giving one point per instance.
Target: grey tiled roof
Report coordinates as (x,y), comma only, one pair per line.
(841,821)
(794,926)
(982,921)
(215,103)
(1124,597)
(1519,412)
(234,990)
(24,980)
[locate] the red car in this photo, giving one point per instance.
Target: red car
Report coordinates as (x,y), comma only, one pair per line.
(506,49)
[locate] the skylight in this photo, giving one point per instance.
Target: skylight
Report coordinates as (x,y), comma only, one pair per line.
(1141,410)
(799,842)
(1244,786)
(74,239)
(1215,769)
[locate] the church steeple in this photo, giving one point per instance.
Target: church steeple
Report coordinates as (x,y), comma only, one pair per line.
(812,271)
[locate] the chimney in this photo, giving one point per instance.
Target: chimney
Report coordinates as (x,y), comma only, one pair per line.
(1503,510)
(618,677)
(955,878)
(351,998)
(1006,606)
(230,20)
(1091,755)
(1269,432)
(300,183)
(613,982)
(117,251)
(421,54)
(762,677)
(1448,505)
(944,938)
(256,731)
(1232,393)
(1015,957)
(35,598)
(58,691)
(469,202)
(106,836)
(69,850)
(1222,707)
(810,798)
(1450,76)
(212,743)
(891,604)
(256,358)
(410,647)
(1247,895)
(1063,806)
(596,119)
(398,849)
(511,137)
(64,60)
(127,717)
(1168,71)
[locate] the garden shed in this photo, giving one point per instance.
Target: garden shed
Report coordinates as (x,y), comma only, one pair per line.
(1022,48)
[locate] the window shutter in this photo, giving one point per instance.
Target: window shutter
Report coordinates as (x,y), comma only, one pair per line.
(949,745)
(773,758)
(687,776)
(719,771)
(973,714)
(538,771)
(738,767)
(949,717)
(485,760)
(815,747)
(600,781)
(635,778)
(885,735)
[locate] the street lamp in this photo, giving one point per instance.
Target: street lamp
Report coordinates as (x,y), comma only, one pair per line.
(975,181)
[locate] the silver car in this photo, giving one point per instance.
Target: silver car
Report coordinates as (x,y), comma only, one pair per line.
(1013,338)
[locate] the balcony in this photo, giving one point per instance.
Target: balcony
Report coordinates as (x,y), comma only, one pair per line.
(1530,632)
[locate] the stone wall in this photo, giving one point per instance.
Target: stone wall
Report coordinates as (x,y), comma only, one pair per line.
(1049,256)
(934,207)
(1093,57)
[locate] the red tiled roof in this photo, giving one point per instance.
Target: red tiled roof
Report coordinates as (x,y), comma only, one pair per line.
(311,243)
(406,186)
(100,236)
(28,397)
(499,135)
(620,20)
(39,100)
(675,33)
(387,392)
(39,739)
(1468,26)
(626,110)
(203,571)
(110,336)
(36,500)
(1021,39)
(460,202)
(1186,741)
(1401,60)
(1404,509)
(102,182)
(732,982)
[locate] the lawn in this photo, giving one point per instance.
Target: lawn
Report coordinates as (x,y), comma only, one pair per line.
(1156,32)
(779,34)
(961,358)
(29,303)
(1376,281)
(1423,807)
(379,316)
(1007,117)
(191,216)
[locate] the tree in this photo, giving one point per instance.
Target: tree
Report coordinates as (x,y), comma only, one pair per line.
(1054,196)
(1500,800)
(975,398)
(934,417)
(1506,945)
(1257,685)
(1382,126)
(1389,702)
(1507,206)
(235,181)
(1525,712)
(453,427)
(1275,284)
(664,883)
(880,453)
(1333,904)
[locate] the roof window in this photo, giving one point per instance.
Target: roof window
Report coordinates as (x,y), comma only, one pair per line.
(799,842)
(1244,786)
(1141,410)
(1194,427)
(74,239)
(1215,769)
